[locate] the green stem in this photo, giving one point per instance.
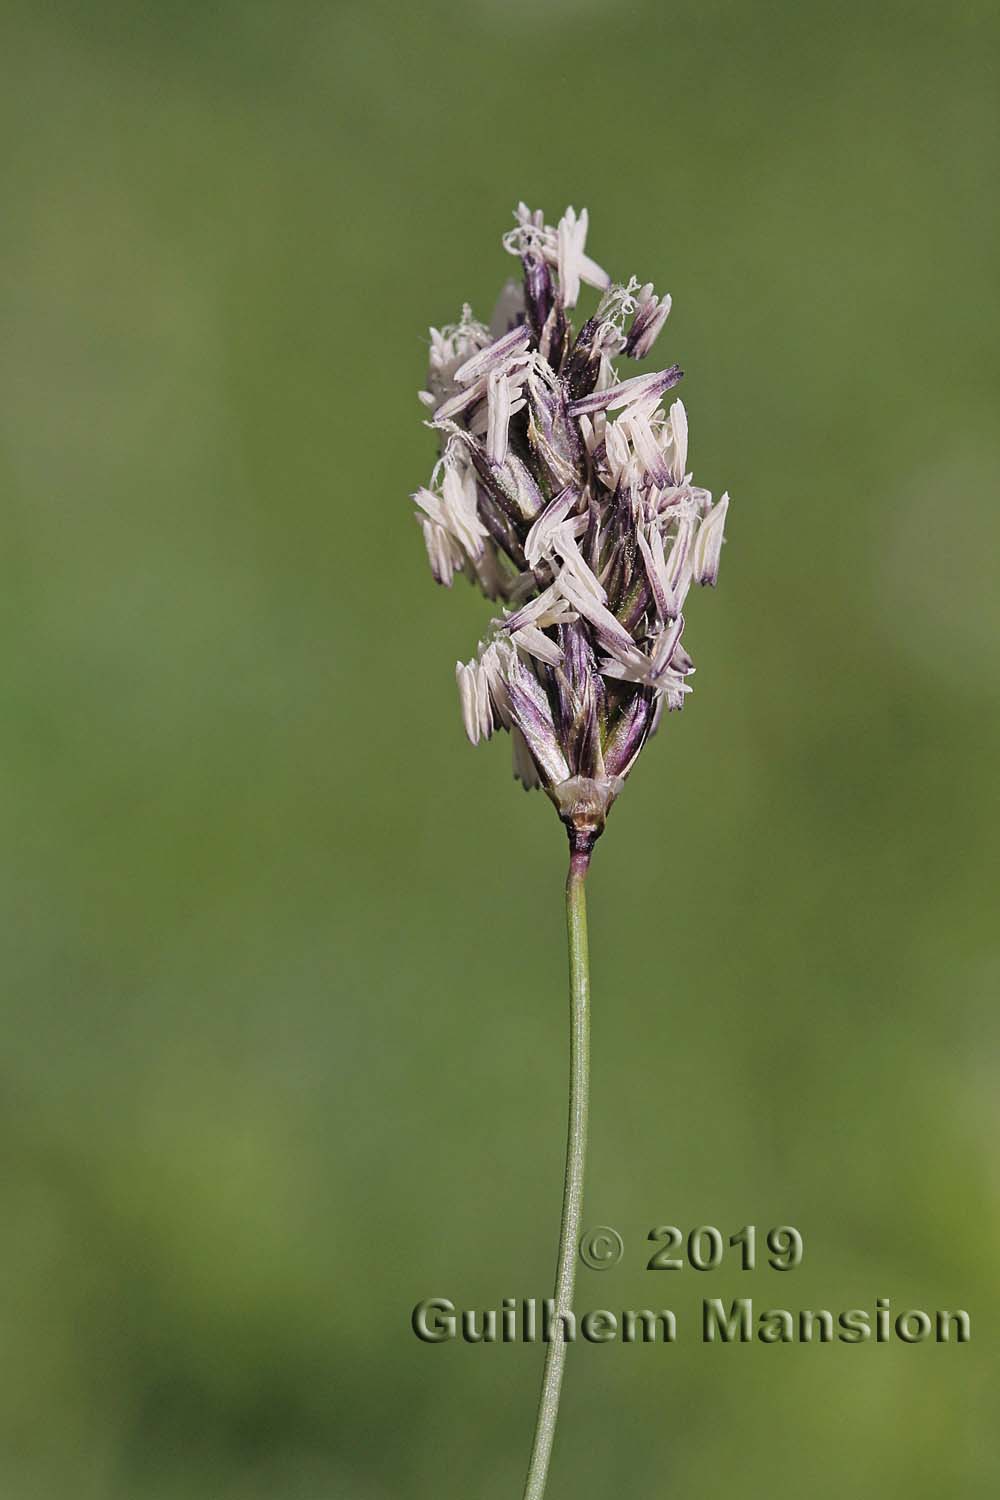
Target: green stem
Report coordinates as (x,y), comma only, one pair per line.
(576,1152)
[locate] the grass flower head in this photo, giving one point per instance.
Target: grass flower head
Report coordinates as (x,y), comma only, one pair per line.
(562,491)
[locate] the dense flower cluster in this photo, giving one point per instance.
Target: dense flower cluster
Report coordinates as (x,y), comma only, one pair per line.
(563,492)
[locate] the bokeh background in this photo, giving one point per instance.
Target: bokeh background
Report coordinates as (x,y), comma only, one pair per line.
(284,1025)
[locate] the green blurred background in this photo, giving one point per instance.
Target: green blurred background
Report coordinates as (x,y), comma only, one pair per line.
(284,1030)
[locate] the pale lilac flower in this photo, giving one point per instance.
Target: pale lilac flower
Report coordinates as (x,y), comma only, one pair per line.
(639,388)
(651,314)
(708,543)
(562,491)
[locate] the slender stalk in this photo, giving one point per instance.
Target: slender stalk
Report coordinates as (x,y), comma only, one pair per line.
(576,1152)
